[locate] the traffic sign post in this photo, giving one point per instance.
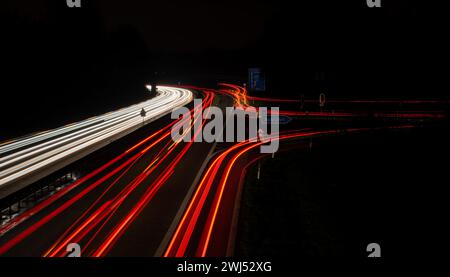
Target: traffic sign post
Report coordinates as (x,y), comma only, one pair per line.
(322,99)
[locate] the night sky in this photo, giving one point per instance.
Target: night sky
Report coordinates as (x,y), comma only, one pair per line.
(98,57)
(181,25)
(234,24)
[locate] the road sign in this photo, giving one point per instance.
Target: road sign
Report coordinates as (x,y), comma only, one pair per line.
(282,119)
(322,99)
(256,80)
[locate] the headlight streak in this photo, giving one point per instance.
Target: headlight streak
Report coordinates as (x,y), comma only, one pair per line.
(192,235)
(77,234)
(120,228)
(21,218)
(67,141)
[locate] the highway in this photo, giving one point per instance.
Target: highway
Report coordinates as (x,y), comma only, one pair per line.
(98,208)
(161,197)
(27,159)
(206,228)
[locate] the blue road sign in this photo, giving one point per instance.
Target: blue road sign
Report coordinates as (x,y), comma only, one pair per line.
(256,80)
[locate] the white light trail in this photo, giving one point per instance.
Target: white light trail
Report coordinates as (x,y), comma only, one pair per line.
(28,155)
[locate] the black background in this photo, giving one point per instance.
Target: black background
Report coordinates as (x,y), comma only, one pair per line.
(61,65)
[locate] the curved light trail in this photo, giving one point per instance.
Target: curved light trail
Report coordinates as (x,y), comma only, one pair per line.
(25,156)
(103,208)
(125,186)
(215,184)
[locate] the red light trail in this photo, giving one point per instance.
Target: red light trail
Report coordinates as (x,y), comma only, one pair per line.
(112,205)
(198,232)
